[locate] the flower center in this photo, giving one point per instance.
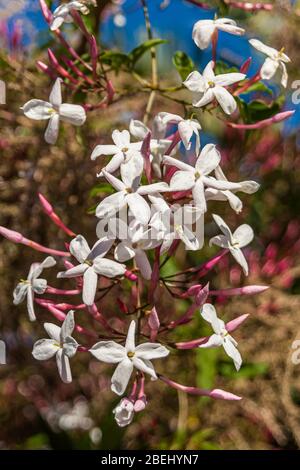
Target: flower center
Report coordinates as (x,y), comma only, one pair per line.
(89,262)
(52,111)
(125,149)
(224,333)
(211,84)
(130,354)
(128,190)
(197,175)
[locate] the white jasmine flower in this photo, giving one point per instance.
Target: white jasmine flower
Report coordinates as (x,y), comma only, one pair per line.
(242,236)
(204,29)
(248,187)
(32,285)
(124,412)
(54,111)
(127,357)
(275,60)
(130,194)
(63,12)
(221,337)
(208,86)
(195,178)
(92,264)
(140,239)
(186,128)
(61,345)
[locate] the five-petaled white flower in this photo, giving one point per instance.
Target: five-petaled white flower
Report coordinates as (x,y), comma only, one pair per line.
(242,236)
(275,60)
(54,110)
(140,239)
(61,345)
(63,12)
(203,30)
(208,86)
(32,285)
(127,357)
(130,194)
(186,128)
(221,337)
(195,178)
(92,264)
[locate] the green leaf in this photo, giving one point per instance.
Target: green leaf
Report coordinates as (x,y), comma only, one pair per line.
(259,86)
(248,371)
(102,188)
(140,50)
(183,64)
(115,59)
(222,67)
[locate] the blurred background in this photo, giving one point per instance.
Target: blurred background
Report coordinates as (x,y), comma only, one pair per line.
(36,409)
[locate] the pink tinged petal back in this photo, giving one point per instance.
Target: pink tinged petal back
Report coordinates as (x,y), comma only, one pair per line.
(72,113)
(63,365)
(108,351)
(202,34)
(121,376)
(108,268)
(37,109)
(90,280)
(269,68)
(151,351)
(30,304)
(51,133)
(225,99)
(73,272)
(143,264)
(232,352)
(55,95)
(68,325)
(130,340)
(79,248)
(44,349)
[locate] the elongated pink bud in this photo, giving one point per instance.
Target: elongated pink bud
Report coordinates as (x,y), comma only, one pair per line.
(248,6)
(59,69)
(45,10)
(215,393)
(65,306)
(264,123)
(53,290)
(80,23)
(94,55)
(246,290)
(61,317)
(175,140)
(48,209)
(192,291)
(234,324)
(202,295)
(204,268)
(245,66)
(45,69)
(110,91)
(17,237)
(154,324)
(76,70)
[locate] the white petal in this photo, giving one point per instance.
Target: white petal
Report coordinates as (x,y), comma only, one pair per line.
(213,341)
(53,331)
(269,68)
(240,258)
(30,305)
(90,280)
(182,181)
(70,346)
(37,109)
(111,204)
(121,139)
(195,82)
(208,159)
(143,264)
(284,77)
(115,182)
(231,29)
(131,170)
(124,251)
(100,150)
(177,163)
(20,292)
(204,99)
(208,312)
(199,196)
(138,129)
(153,188)
(244,235)
(108,268)
(151,351)
(232,352)
(202,34)
(52,129)
(55,95)
(145,366)
(220,240)
(130,340)
(226,79)
(56,23)
(108,351)
(139,207)
(189,239)
(186,133)
(223,226)
(225,99)
(44,349)
(72,113)
(73,272)
(121,376)
(67,326)
(37,268)
(79,248)
(208,72)
(261,47)
(63,365)
(101,247)
(114,164)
